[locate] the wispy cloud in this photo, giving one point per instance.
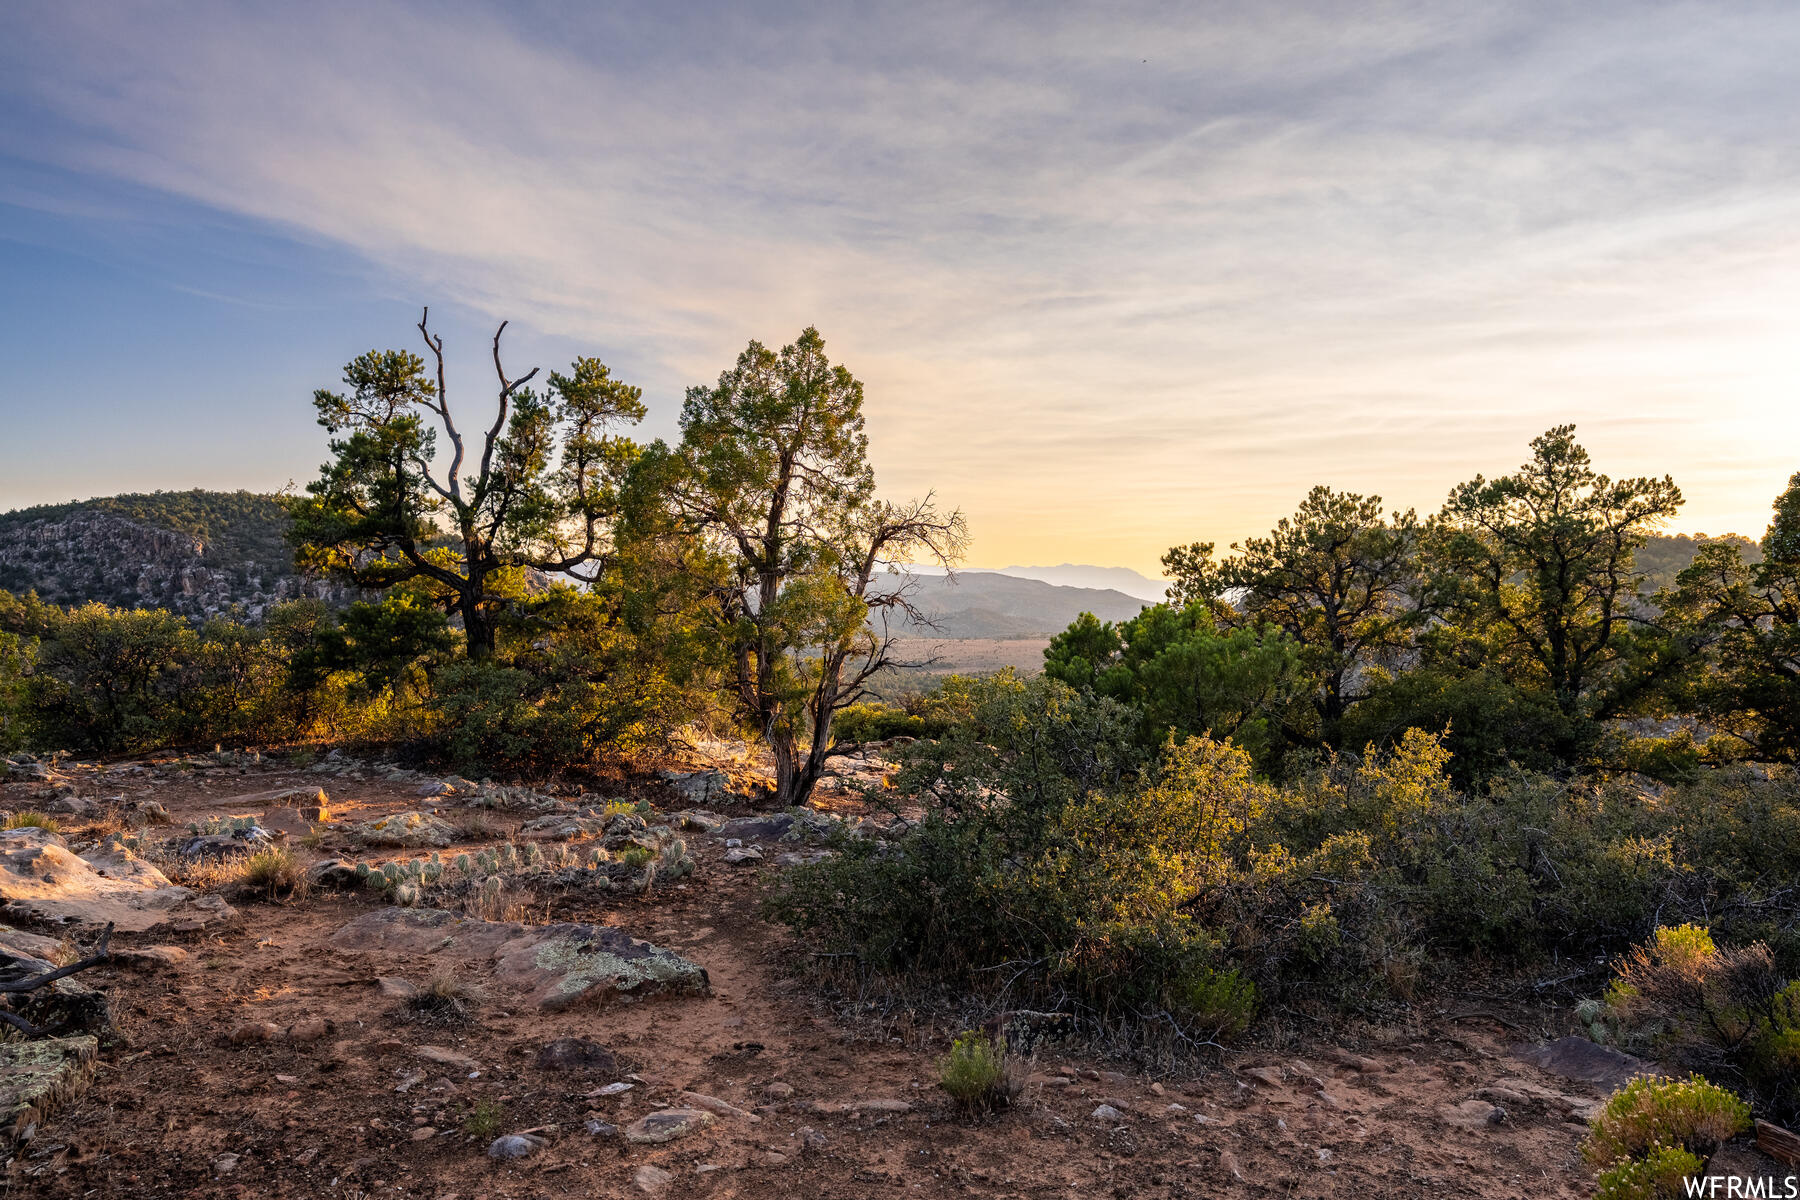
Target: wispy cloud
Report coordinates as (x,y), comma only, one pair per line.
(1116,277)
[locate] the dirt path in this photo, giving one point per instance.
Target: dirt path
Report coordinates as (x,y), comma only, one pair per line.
(341,1104)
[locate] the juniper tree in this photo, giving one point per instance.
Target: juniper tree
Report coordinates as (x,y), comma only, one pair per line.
(536,489)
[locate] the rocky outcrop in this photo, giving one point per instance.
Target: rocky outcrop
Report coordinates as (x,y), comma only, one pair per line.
(71,554)
(552,967)
(43,883)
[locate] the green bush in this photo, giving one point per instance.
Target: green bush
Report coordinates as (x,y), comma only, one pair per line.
(1724,1011)
(1647,1113)
(978,1074)
(1662,1174)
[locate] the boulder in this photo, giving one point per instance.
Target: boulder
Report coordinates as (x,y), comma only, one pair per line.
(550,966)
(38,1077)
(42,883)
(238,843)
(289,822)
(1589,1062)
(407,830)
(699,787)
(773,827)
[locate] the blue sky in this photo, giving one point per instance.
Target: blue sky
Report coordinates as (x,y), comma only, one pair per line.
(1115,276)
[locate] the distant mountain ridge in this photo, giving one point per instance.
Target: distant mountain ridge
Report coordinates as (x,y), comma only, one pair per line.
(1082,575)
(989,604)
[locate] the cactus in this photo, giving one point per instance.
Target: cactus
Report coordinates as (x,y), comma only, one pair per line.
(464,864)
(362,872)
(406,895)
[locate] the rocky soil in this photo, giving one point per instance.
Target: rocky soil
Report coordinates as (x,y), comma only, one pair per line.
(331,1044)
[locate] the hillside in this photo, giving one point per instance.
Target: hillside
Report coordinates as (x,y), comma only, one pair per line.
(197,553)
(986,604)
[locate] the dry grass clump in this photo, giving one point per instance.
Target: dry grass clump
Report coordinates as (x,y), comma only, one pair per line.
(33,820)
(444,1000)
(272,872)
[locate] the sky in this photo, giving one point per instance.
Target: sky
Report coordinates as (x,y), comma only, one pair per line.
(1115,276)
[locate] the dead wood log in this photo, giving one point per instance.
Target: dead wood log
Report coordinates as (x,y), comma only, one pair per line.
(1778,1143)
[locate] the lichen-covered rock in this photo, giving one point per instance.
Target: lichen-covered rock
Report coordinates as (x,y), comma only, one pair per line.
(563,828)
(699,787)
(408,830)
(38,1077)
(665,1126)
(551,966)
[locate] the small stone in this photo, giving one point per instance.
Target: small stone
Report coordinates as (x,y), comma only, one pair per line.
(225,1164)
(311,1029)
(601,1129)
(738,855)
(515,1145)
(713,1104)
(573,1053)
(290,1080)
(424,1133)
(447,1058)
(614,1089)
(1107,1112)
(651,1179)
(774,1158)
(151,956)
(812,1139)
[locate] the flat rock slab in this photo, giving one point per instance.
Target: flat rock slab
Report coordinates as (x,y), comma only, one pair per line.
(38,1077)
(666,1125)
(1589,1062)
(42,883)
(551,966)
(407,830)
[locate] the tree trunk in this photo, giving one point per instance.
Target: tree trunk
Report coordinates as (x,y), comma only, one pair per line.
(796,774)
(478,626)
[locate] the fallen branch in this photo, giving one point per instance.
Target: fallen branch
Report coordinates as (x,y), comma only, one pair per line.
(101,953)
(31,983)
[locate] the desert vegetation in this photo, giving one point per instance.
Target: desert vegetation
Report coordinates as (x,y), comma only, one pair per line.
(1340,767)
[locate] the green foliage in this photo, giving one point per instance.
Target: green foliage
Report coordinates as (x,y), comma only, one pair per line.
(1661,1174)
(484,1119)
(17,660)
(543,487)
(977,1074)
(772,486)
(1538,567)
(1183,674)
(1690,1114)
(1729,1012)
(1746,615)
(1339,579)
